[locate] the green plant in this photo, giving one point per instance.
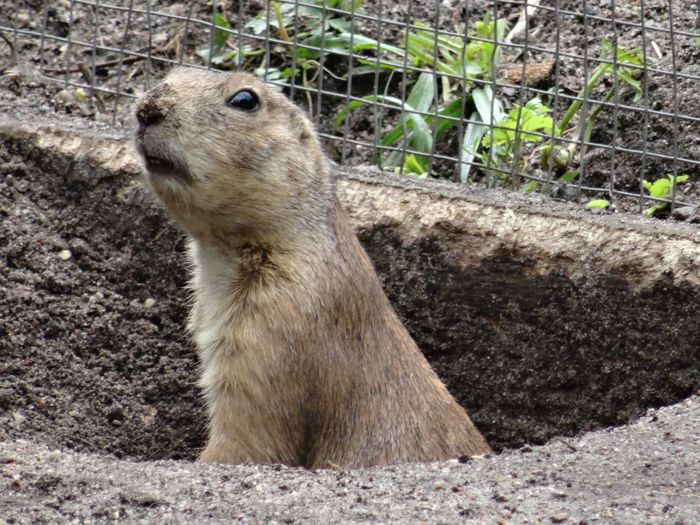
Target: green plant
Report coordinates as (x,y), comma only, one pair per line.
(662,188)
(214,51)
(487,52)
(528,123)
(503,148)
(304,30)
(315,28)
(431,110)
(448,54)
(478,60)
(625,66)
(413,130)
(599,204)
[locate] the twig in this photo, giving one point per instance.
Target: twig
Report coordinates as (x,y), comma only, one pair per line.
(8,42)
(567,444)
(99,103)
(98,65)
(12,54)
(520,26)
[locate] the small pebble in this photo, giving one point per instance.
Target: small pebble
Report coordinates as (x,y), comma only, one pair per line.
(64,255)
(148,303)
(440,485)
(683,213)
(54,455)
(559,518)
(558,494)
(63,97)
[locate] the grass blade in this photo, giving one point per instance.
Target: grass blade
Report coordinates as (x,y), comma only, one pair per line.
(470,144)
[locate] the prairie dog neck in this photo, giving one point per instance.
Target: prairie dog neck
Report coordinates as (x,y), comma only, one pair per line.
(248,316)
(232,286)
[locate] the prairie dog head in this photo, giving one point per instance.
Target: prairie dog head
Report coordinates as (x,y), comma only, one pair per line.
(229,156)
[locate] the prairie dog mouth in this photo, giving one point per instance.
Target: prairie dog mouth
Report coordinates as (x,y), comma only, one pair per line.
(162,164)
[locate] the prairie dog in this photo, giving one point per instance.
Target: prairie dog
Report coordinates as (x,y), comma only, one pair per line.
(303,360)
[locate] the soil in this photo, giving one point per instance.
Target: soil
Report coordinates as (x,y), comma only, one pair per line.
(642,473)
(98,364)
(670,87)
(544,356)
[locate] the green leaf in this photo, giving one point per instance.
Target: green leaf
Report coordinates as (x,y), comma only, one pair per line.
(470,145)
(453,109)
(412,165)
(653,210)
(482,100)
(663,187)
(373,64)
(363,43)
(520,125)
(421,137)
(598,203)
(220,37)
(341,25)
(258,24)
(660,188)
(422,93)
(530,186)
(569,176)
(363,70)
(393,136)
(329,44)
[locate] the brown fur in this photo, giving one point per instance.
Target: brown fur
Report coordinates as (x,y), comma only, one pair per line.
(304,361)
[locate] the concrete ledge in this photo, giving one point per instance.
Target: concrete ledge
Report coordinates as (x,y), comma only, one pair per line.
(552,236)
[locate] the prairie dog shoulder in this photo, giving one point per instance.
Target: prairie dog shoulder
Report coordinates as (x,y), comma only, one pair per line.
(304,361)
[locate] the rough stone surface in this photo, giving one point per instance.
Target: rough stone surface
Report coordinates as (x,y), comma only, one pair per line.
(645,472)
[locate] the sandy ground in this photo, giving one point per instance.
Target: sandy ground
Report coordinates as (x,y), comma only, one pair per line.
(646,472)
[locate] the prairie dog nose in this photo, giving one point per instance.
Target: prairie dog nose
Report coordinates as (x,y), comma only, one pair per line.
(154,106)
(148,113)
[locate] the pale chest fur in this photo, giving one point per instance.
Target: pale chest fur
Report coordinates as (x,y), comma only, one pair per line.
(229,336)
(248,361)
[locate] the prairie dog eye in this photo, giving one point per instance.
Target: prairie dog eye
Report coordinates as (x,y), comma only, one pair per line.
(245,100)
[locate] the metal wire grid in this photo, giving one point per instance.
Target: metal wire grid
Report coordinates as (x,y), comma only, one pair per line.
(102,67)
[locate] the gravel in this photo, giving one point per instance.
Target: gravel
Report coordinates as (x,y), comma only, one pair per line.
(645,472)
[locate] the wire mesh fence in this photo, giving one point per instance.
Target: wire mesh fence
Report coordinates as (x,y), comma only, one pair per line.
(591,101)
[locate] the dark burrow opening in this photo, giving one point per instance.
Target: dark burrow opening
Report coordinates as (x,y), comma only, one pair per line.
(537,357)
(94,355)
